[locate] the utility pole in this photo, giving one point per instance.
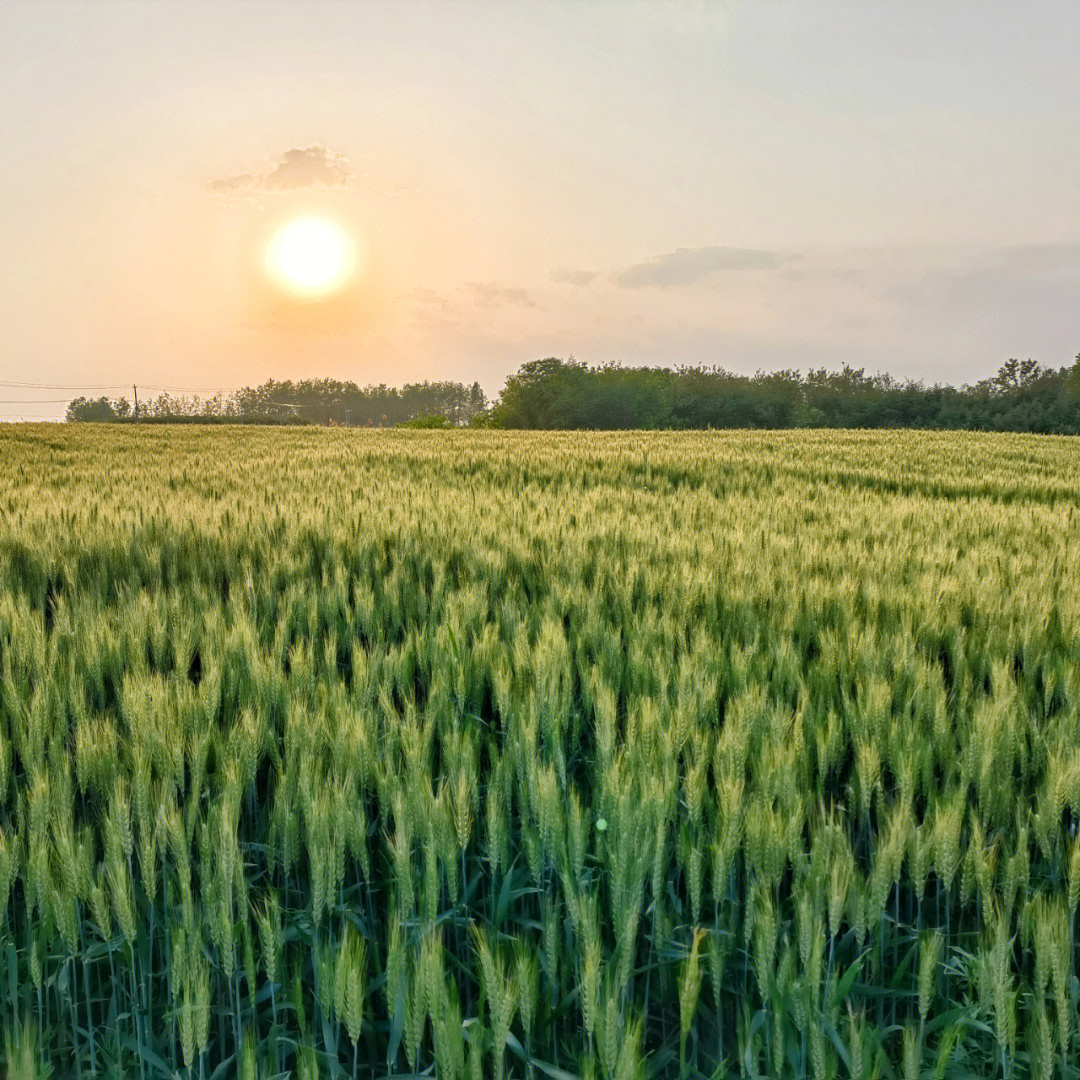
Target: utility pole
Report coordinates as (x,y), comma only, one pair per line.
(135,393)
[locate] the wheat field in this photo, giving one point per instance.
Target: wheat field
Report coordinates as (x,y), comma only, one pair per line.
(480,754)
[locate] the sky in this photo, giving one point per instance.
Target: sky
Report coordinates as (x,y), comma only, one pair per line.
(894,186)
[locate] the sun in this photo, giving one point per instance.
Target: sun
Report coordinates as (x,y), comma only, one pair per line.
(311,257)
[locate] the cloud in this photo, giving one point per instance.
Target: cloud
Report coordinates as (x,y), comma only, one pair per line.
(231,183)
(1018,301)
(315,166)
(689,265)
(1040,259)
(429,310)
(425,297)
(573,277)
(488,295)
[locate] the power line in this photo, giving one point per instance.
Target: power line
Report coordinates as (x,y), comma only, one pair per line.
(124,386)
(146,386)
(194,389)
(60,386)
(117,386)
(64,401)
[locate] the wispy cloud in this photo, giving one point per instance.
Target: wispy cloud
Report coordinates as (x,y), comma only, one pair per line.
(573,277)
(689,265)
(426,297)
(486,294)
(316,166)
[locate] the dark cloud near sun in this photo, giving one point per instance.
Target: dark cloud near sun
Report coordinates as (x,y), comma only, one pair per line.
(573,277)
(316,166)
(487,295)
(686,266)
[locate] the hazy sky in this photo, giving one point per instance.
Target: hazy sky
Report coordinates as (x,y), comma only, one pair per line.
(894,185)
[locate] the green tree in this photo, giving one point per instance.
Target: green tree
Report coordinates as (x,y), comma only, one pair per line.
(99,410)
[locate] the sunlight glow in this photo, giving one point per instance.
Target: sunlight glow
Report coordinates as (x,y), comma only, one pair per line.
(311,257)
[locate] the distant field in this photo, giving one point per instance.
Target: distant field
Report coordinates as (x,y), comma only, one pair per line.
(584,755)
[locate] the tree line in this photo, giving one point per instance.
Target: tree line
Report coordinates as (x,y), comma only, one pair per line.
(553,393)
(306,401)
